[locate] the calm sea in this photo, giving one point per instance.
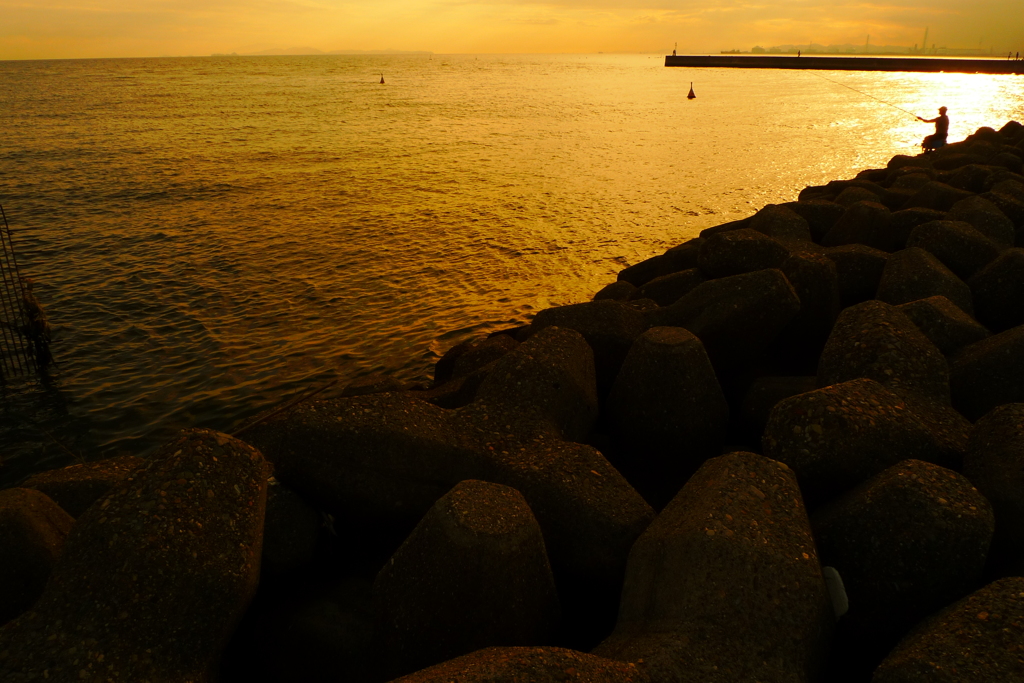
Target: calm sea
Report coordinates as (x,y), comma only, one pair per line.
(211,236)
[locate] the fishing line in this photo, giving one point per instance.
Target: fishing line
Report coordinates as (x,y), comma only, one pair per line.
(866,94)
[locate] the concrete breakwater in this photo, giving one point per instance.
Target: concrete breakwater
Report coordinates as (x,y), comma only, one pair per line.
(918,64)
(644,487)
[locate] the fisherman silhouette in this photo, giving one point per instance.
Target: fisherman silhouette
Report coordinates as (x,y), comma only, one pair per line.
(937,139)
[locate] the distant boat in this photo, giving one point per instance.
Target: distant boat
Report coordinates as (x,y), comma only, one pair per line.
(382,79)
(690,95)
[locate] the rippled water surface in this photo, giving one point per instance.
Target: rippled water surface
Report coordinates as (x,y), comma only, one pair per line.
(211,236)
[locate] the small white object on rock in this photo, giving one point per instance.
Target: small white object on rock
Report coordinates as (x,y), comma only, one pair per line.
(836,591)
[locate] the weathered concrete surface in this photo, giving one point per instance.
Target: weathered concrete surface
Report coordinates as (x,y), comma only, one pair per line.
(994,462)
(668,289)
(878,341)
(989,373)
(483,352)
(385,459)
(975,640)
(734,317)
(957,244)
(986,218)
(781,223)
(865,222)
(905,220)
(290,531)
(853,195)
(938,196)
(725,584)
(765,393)
(815,280)
(473,573)
(528,665)
(859,269)
(945,324)
(908,541)
(33,529)
(998,291)
(836,437)
(76,487)
(739,251)
(154,578)
(820,215)
(608,326)
(667,410)
(620,290)
(681,257)
(914,273)
(372,384)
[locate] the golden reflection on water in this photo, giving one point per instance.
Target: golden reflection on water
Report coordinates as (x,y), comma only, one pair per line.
(211,235)
(973,100)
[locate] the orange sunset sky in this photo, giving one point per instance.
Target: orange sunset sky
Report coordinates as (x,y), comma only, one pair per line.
(43,29)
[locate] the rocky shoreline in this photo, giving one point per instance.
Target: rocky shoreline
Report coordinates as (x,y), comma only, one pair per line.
(790,449)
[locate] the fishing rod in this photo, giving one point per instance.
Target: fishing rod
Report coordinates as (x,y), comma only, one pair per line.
(867,95)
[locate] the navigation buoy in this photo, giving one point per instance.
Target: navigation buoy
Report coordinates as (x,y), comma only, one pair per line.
(689,95)
(382,80)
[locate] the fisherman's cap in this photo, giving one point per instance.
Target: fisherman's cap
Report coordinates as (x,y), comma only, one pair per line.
(942,109)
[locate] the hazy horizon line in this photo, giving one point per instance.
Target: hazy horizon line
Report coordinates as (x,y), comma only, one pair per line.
(314,52)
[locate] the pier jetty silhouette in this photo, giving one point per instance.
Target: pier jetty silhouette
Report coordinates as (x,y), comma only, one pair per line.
(845,63)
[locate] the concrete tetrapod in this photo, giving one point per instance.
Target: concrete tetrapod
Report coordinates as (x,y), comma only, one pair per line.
(76,487)
(986,218)
(989,373)
(33,529)
(608,326)
(153,578)
(667,411)
(858,269)
(474,573)
(914,273)
(879,341)
(865,222)
(815,280)
(975,640)
(945,325)
(528,665)
(739,251)
(995,464)
(840,435)
(876,340)
(956,244)
(735,317)
(725,584)
(998,291)
(381,461)
(782,223)
(908,541)
(667,289)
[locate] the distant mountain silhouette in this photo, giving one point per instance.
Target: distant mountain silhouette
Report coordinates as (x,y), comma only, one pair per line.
(289,51)
(314,51)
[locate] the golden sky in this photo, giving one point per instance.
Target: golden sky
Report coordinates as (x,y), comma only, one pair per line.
(40,29)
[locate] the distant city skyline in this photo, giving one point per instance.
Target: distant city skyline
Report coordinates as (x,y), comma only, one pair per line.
(44,29)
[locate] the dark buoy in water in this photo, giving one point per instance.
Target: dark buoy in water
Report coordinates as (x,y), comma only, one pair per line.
(382,80)
(690,95)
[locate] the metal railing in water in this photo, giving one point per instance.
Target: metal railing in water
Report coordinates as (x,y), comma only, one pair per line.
(24,331)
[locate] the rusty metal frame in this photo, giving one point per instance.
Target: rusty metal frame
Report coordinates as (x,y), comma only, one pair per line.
(16,349)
